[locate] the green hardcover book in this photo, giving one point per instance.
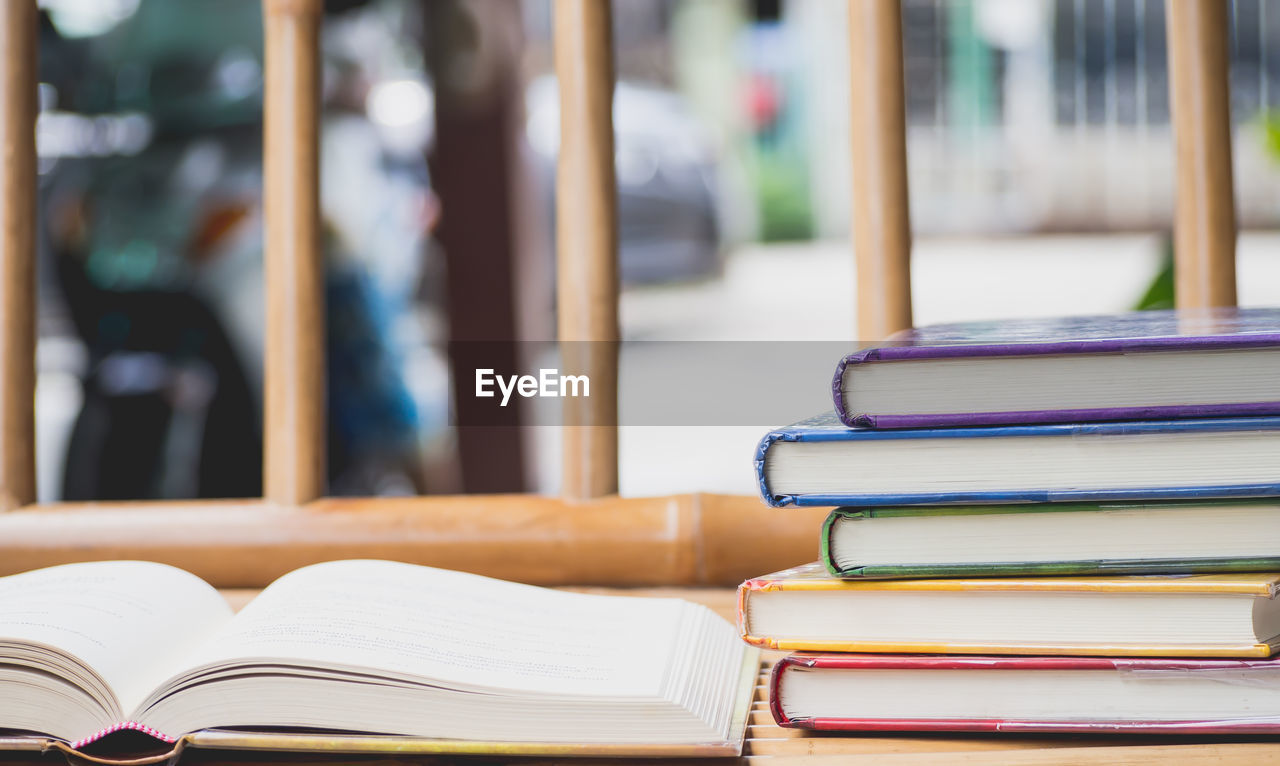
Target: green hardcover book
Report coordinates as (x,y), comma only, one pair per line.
(1185,537)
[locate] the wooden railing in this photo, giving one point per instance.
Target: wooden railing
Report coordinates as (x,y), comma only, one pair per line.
(1205,235)
(17,254)
(881,219)
(293,436)
(589,535)
(587,244)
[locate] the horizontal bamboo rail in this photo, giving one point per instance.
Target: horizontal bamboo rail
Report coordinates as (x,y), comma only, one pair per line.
(1205,217)
(697,539)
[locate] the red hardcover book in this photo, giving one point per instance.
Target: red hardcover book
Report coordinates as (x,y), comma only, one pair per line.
(901,692)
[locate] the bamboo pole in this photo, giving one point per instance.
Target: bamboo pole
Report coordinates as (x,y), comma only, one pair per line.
(678,540)
(881,219)
(294,406)
(587,245)
(17,253)
(1205,223)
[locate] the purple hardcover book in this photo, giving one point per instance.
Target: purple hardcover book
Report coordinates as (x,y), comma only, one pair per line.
(1142,365)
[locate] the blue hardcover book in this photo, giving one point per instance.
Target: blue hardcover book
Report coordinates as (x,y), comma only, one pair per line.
(821,462)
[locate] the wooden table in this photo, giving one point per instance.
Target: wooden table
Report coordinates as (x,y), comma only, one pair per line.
(770,745)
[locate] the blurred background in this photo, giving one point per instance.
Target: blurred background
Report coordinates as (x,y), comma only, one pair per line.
(1040,161)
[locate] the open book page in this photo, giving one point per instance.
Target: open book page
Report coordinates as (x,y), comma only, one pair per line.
(458,629)
(128,621)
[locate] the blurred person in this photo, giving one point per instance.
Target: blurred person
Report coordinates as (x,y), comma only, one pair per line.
(157,250)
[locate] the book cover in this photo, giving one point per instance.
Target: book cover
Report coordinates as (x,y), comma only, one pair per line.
(1013,568)
(828,428)
(1233,671)
(814,578)
(1130,333)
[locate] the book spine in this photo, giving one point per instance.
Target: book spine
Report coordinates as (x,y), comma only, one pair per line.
(744,593)
(775,688)
(762,480)
(824,538)
(851,419)
(123,726)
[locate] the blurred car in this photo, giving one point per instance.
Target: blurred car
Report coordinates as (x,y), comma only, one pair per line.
(668,214)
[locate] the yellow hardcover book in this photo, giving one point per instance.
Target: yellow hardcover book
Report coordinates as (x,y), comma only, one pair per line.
(805,609)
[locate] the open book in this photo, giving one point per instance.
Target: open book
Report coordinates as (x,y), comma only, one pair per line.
(362,648)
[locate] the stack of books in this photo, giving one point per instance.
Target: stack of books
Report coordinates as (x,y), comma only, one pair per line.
(1061,525)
